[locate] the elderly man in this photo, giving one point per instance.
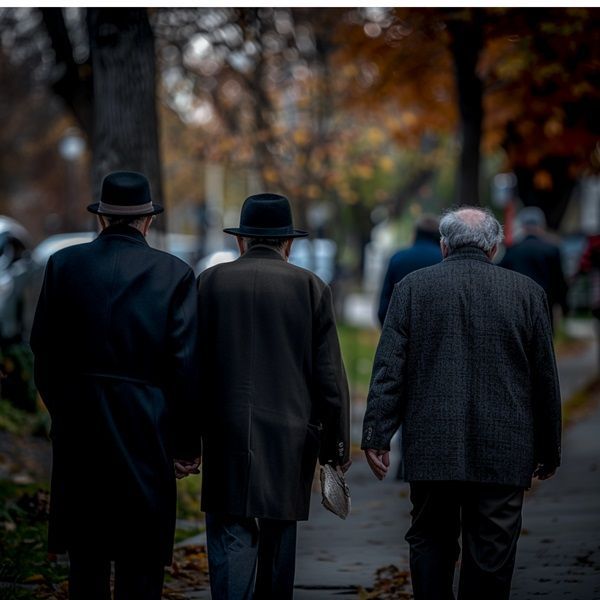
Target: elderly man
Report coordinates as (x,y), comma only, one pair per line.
(276,397)
(466,364)
(114,339)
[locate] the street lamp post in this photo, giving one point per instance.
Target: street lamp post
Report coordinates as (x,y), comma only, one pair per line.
(70,148)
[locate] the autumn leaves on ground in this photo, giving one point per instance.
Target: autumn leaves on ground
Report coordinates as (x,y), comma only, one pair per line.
(24,566)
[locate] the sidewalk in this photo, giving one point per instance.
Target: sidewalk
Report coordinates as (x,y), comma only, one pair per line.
(559,551)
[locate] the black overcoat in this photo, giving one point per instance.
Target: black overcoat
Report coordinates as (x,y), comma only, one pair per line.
(539,259)
(115,339)
(466,364)
(275,389)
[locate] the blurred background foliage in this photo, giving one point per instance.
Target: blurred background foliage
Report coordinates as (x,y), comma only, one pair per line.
(344,108)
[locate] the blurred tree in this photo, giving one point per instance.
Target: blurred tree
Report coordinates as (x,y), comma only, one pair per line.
(542,73)
(260,88)
(112,93)
(101,63)
(252,76)
(125,128)
(31,125)
(534,71)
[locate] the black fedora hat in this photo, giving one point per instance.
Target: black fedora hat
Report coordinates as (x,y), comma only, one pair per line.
(268,216)
(125,194)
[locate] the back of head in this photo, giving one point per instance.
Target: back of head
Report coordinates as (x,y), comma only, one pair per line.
(470,226)
(427,226)
(532,217)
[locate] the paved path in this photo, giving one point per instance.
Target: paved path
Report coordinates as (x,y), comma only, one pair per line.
(559,551)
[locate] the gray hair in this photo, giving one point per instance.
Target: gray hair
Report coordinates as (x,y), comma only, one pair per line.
(277,243)
(470,226)
(133,220)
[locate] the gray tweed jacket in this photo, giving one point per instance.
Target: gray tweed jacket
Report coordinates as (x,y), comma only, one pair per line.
(466,364)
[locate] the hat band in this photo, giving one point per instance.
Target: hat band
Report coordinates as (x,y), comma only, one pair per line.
(119,209)
(267,230)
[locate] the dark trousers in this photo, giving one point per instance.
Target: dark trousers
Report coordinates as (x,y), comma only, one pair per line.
(489,517)
(89,578)
(250,558)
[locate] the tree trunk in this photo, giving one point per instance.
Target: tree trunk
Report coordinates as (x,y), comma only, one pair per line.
(72,82)
(125,131)
(552,199)
(467,41)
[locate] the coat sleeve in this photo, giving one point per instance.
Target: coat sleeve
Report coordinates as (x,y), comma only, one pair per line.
(385,402)
(545,388)
(42,339)
(183,359)
(332,396)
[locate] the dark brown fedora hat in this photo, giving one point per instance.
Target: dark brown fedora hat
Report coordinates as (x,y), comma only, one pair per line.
(125,194)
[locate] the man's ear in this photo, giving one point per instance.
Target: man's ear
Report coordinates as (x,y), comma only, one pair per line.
(492,252)
(146,225)
(287,247)
(444,249)
(102,221)
(241,242)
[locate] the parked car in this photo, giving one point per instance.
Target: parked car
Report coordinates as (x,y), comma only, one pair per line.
(14,272)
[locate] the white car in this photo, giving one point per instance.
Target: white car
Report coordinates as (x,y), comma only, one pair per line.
(14,272)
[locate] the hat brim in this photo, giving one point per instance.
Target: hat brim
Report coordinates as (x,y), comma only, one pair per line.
(156,210)
(297,233)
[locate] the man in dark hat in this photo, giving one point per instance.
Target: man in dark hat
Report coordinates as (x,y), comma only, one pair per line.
(114,339)
(276,400)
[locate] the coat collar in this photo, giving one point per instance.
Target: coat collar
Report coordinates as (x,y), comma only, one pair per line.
(261,251)
(125,231)
(468,252)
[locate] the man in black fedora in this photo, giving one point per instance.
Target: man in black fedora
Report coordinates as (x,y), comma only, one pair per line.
(276,399)
(114,339)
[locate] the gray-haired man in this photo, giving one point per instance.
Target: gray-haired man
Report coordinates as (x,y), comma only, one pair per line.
(466,364)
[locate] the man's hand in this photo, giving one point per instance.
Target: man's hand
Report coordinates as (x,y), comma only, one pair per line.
(183,468)
(379,461)
(544,472)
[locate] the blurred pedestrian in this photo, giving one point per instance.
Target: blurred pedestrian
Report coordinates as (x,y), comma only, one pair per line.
(466,364)
(114,339)
(277,398)
(539,258)
(424,252)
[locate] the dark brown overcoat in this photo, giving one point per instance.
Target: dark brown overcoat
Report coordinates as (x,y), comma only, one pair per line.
(275,389)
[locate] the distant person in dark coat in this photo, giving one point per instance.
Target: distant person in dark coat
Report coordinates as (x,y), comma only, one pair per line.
(276,400)
(466,364)
(114,339)
(424,252)
(538,258)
